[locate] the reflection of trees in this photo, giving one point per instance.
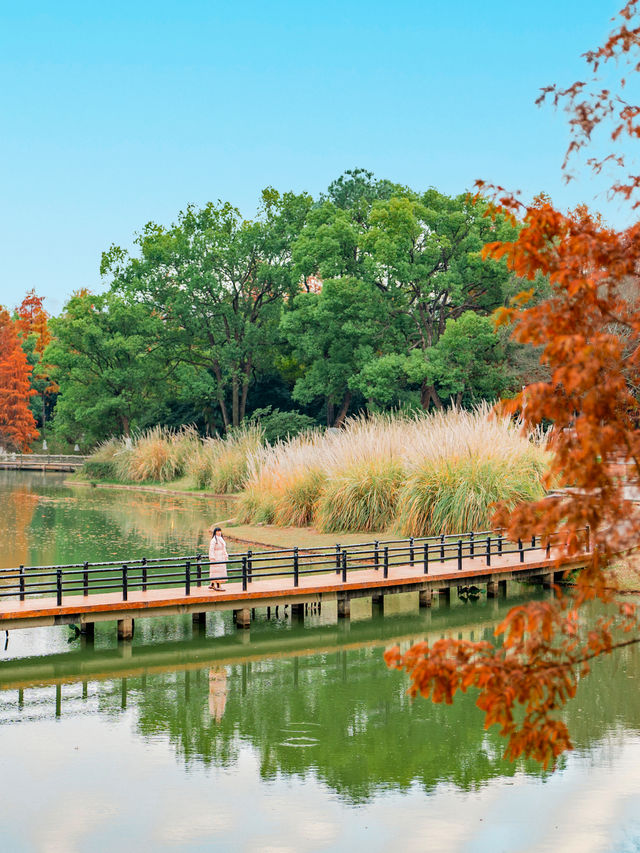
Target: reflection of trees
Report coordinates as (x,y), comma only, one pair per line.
(73,524)
(346,718)
(341,715)
(17,513)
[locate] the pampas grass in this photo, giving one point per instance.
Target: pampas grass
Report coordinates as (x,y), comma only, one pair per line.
(419,475)
(160,455)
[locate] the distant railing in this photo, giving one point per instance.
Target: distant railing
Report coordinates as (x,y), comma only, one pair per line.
(43,457)
(41,461)
(192,571)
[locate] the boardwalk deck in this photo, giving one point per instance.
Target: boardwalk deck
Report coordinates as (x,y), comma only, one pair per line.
(269,592)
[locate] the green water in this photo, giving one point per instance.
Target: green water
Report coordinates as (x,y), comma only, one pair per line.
(286,738)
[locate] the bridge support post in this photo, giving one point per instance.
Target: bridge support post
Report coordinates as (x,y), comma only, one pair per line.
(547,580)
(297,612)
(243,618)
(502,589)
(199,621)
(88,631)
(344,608)
(492,589)
(444,594)
(425,597)
(125,629)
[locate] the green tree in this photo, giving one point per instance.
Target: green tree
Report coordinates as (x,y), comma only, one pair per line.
(468,362)
(423,254)
(333,335)
(110,361)
(219,282)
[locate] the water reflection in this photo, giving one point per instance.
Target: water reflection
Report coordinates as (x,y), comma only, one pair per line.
(45,522)
(307,700)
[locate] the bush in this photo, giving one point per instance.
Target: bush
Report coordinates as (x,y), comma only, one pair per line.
(278,426)
(94,469)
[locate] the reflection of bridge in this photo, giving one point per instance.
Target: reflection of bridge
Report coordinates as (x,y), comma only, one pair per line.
(200,653)
(274,579)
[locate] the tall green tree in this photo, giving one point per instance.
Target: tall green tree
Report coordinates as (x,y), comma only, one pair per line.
(334,335)
(110,359)
(219,282)
(421,251)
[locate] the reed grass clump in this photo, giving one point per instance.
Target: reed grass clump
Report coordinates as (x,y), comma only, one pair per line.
(419,475)
(362,497)
(161,455)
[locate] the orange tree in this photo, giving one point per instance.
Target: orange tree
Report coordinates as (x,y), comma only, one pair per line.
(17,426)
(32,324)
(589,335)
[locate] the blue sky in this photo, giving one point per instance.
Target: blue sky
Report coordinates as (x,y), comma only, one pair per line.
(121,113)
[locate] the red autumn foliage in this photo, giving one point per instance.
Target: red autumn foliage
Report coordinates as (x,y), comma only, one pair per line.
(589,335)
(33,320)
(17,426)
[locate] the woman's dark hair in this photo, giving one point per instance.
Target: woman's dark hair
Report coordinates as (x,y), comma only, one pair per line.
(215,530)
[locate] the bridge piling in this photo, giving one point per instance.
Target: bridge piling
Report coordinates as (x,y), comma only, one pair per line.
(492,589)
(243,618)
(125,629)
(425,598)
(344,608)
(198,622)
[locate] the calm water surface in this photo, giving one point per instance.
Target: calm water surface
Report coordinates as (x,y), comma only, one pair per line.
(284,738)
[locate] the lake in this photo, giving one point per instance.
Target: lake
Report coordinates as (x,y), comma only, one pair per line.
(286,738)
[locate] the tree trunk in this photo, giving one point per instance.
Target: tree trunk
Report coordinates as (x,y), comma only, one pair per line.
(342,414)
(235,402)
(329,411)
(220,394)
(428,394)
(124,422)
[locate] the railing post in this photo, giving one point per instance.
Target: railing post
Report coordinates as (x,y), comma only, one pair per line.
(533,541)
(426,558)
(459,555)
(500,541)
(376,555)
(199,570)
(85,579)
(125,582)
(296,567)
(386,561)
(187,578)
(59,587)
(521,549)
(549,548)
(412,553)
(442,548)
(344,566)
(250,565)
(144,574)
(21,583)
(244,574)
(488,550)
(588,533)
(472,545)
(338,558)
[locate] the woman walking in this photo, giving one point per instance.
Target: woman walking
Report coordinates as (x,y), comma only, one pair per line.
(217,559)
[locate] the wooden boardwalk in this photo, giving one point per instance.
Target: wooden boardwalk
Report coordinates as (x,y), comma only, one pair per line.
(265,591)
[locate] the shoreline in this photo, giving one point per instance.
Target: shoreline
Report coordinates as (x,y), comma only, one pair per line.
(158,489)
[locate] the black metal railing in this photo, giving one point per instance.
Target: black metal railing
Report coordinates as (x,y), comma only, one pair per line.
(194,571)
